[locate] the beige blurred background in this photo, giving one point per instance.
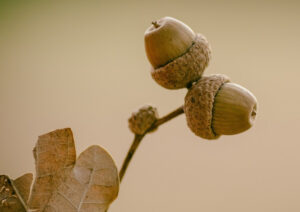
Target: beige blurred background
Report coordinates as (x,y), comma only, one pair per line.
(81,64)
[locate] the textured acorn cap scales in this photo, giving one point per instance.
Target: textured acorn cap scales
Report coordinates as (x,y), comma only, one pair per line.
(198,106)
(178,55)
(143,119)
(214,107)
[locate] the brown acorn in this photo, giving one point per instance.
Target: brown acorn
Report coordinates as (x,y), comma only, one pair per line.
(178,55)
(214,107)
(143,119)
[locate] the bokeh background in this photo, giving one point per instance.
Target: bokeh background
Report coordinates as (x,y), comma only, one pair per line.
(81,64)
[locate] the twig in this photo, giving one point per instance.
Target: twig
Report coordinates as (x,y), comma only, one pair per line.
(138,138)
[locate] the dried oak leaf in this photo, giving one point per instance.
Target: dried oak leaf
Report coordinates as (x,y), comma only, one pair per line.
(14,193)
(53,153)
(23,185)
(90,184)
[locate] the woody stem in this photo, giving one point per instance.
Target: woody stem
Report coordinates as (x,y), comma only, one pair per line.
(138,138)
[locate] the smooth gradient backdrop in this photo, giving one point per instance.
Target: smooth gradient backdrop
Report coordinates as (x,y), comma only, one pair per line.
(82,64)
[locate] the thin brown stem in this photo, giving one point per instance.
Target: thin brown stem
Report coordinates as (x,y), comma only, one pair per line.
(168,117)
(138,138)
(155,24)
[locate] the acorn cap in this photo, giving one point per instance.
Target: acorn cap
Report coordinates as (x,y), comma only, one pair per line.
(198,106)
(178,55)
(185,69)
(143,119)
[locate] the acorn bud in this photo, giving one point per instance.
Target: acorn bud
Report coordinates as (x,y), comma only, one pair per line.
(214,107)
(143,119)
(178,56)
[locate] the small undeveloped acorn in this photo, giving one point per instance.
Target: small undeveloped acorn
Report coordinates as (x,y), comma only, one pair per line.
(214,107)
(178,56)
(143,119)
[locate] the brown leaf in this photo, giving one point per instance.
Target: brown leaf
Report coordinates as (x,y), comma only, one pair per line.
(10,197)
(23,184)
(89,185)
(53,153)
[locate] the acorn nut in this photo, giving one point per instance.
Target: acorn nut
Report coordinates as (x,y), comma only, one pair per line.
(178,56)
(214,106)
(143,119)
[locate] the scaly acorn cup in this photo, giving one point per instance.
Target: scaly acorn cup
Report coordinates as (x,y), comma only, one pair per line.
(143,119)
(214,107)
(178,56)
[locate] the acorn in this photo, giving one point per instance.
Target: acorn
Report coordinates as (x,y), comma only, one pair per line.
(214,106)
(143,119)
(177,54)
